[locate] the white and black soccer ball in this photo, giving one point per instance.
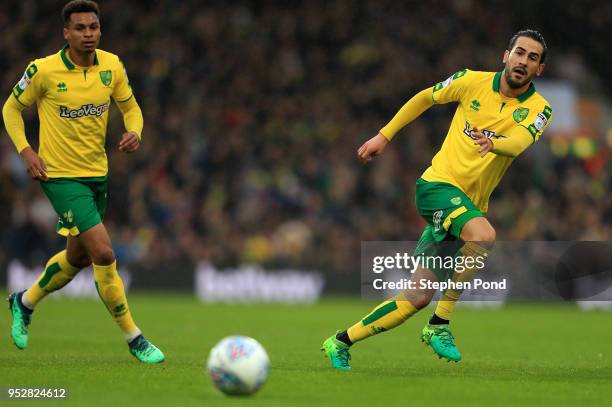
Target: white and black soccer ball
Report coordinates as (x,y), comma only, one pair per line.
(238,365)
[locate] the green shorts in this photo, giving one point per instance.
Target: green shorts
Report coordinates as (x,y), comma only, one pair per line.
(80,203)
(446,209)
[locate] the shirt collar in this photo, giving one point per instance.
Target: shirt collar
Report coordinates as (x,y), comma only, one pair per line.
(69,64)
(530,91)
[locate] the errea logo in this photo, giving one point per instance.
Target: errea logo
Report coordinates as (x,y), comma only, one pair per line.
(85,110)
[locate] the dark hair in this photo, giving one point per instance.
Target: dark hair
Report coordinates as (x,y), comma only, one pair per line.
(79,6)
(534,35)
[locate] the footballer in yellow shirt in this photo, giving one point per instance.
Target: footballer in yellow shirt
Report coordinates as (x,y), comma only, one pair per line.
(498,116)
(72,90)
(73,103)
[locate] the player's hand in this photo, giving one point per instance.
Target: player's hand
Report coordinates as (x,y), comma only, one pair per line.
(129,142)
(35,166)
(483,141)
(372,148)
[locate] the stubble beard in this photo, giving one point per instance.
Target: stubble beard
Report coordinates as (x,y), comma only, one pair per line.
(511,82)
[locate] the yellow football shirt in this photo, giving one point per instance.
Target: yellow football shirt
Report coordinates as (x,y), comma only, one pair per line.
(73,103)
(513,124)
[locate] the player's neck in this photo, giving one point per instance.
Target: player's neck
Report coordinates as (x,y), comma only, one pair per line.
(510,92)
(82,58)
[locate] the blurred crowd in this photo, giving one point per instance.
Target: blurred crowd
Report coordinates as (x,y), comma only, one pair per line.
(253,114)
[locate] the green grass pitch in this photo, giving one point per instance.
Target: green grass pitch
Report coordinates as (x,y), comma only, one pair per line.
(520,355)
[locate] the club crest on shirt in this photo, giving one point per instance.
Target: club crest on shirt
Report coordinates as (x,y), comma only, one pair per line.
(520,114)
(106,77)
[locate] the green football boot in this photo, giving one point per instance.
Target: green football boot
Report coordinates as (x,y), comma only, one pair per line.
(337,352)
(440,338)
(21,320)
(145,351)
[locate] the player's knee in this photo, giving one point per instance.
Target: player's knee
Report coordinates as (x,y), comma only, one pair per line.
(483,235)
(83,263)
(420,299)
(80,262)
(486,238)
(103,256)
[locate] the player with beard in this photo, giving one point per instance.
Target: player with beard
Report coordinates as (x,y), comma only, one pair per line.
(499,115)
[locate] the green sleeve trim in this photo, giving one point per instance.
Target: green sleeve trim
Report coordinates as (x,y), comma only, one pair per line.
(17,99)
(125,100)
(547,112)
(532,130)
(31,71)
(459,74)
(441,85)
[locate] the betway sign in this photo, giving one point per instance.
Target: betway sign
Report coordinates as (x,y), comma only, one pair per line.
(254,284)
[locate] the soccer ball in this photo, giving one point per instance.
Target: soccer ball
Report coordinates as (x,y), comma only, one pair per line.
(238,365)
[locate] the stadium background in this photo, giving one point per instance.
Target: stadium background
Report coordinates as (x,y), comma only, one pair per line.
(253,113)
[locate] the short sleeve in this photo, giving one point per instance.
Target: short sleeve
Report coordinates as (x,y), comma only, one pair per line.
(29,88)
(121,89)
(451,89)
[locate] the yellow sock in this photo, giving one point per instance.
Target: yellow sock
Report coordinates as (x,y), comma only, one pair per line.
(112,292)
(446,304)
(58,272)
(385,316)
